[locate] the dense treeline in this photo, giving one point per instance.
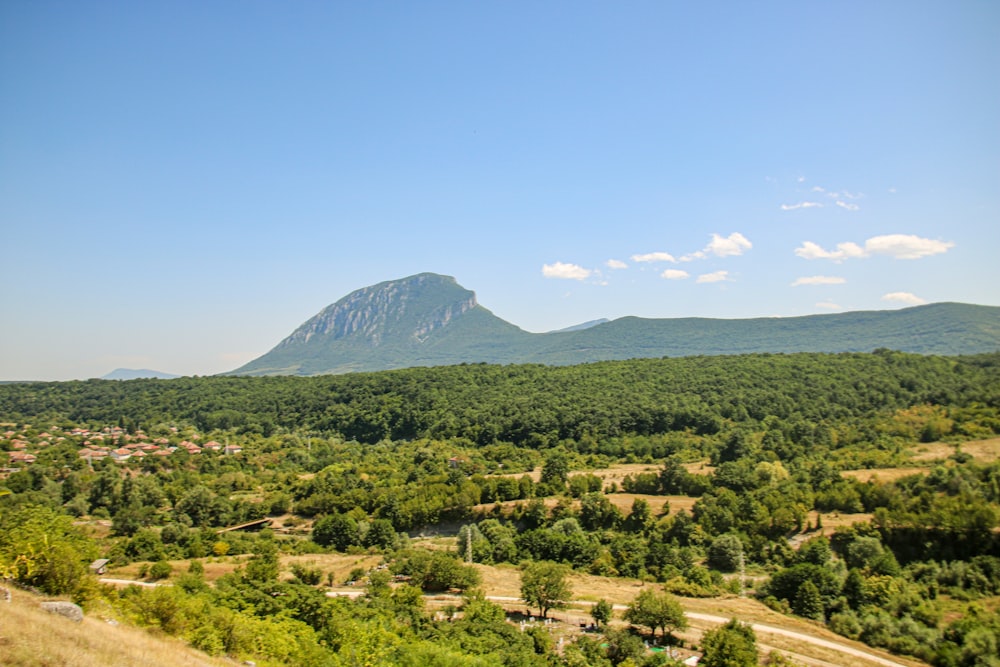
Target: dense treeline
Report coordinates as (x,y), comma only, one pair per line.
(531,405)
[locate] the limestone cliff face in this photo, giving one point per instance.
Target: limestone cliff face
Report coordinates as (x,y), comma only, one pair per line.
(412,307)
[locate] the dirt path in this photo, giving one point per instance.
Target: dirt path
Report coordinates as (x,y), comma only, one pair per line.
(815,641)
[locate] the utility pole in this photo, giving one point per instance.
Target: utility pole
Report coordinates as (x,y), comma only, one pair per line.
(743,572)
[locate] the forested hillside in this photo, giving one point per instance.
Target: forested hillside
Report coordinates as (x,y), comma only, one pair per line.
(858,491)
(528,404)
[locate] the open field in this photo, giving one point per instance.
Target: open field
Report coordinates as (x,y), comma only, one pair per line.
(925,455)
(983,451)
(883,475)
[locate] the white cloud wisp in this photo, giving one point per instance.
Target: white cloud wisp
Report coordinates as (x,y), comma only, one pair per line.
(564,271)
(908,298)
(819,280)
(897,246)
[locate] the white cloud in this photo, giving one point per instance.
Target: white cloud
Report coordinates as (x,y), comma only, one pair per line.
(810,250)
(804,204)
(732,245)
(565,271)
(816,188)
(675,274)
(904,297)
(715,277)
(819,280)
(654,257)
(906,246)
(898,246)
(849,207)
(721,246)
(615,264)
(829,305)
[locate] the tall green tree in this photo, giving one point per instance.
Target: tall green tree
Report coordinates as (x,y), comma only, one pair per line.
(656,611)
(731,645)
(601,612)
(544,585)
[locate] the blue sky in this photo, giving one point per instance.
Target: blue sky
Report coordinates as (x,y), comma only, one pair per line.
(184,183)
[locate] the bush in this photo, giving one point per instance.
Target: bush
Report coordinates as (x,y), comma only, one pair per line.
(161,569)
(310,576)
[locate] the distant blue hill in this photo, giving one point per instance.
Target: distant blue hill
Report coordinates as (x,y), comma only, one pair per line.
(136,373)
(431,320)
(581,327)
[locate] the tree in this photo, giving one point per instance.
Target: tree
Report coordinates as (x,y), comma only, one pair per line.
(640,519)
(655,611)
(381,535)
(731,645)
(41,548)
(808,603)
(336,530)
(601,612)
(544,585)
(263,566)
(597,512)
(726,553)
(624,646)
(555,470)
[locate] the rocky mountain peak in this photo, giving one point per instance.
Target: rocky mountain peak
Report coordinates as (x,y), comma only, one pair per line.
(413,307)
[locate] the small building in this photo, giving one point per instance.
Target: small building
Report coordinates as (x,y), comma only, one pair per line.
(99,566)
(121,454)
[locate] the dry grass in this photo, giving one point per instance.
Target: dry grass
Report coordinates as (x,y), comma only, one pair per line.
(931,451)
(338,564)
(883,475)
(983,451)
(31,637)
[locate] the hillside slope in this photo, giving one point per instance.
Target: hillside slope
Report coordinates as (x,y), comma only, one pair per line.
(31,637)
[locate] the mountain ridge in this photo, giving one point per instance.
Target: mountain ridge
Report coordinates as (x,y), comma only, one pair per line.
(137,373)
(429,319)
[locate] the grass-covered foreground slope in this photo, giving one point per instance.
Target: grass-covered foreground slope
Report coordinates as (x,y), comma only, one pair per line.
(31,637)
